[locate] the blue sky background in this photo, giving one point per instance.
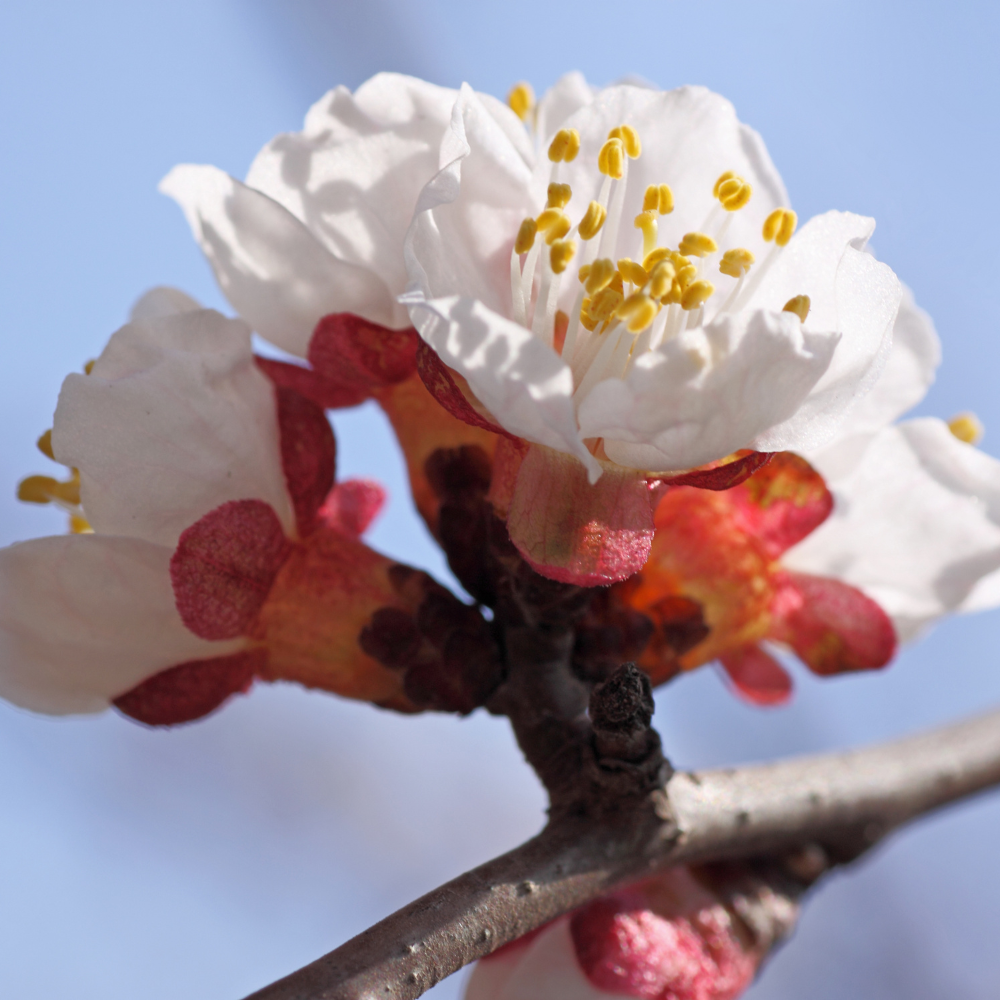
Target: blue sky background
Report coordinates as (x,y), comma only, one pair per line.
(207,861)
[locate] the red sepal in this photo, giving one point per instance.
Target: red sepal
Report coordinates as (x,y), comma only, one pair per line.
(354,352)
(782,502)
(308,455)
(832,626)
(575,532)
(190,690)
(352,506)
(324,392)
(444,385)
(757,676)
(224,566)
(719,477)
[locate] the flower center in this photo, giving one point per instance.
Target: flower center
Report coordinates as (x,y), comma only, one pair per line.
(627,308)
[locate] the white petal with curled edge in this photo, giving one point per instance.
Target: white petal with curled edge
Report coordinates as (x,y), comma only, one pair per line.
(173,420)
(462,234)
(565,97)
(916,521)
(162,301)
(84,618)
(276,274)
(852,294)
(544,969)
(689,137)
(908,373)
(708,392)
(352,177)
(523,383)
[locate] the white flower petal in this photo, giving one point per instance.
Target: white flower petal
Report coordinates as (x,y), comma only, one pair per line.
(174,419)
(565,97)
(162,301)
(461,237)
(852,294)
(689,137)
(352,177)
(908,373)
(916,522)
(707,392)
(276,274)
(521,381)
(84,618)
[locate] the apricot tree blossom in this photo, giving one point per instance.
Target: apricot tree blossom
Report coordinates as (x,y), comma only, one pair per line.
(652,424)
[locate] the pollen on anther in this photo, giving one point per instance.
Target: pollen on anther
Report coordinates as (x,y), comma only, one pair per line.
(632,272)
(780,226)
(554,223)
(629,138)
(736,262)
(521,99)
(611,159)
(696,294)
(967,427)
(561,254)
(559,195)
(526,236)
(44,445)
(733,193)
(800,305)
(593,219)
(638,311)
(599,275)
(697,245)
(564,146)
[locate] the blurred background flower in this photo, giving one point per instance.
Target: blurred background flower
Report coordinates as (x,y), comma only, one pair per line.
(207,861)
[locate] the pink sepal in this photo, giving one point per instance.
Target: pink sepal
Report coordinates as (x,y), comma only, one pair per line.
(757,676)
(352,505)
(224,566)
(575,532)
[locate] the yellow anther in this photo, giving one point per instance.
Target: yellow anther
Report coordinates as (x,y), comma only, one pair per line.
(734,193)
(559,195)
(37,489)
(799,305)
(632,272)
(586,318)
(780,225)
(646,221)
(736,262)
(696,294)
(658,198)
(564,146)
(629,138)
(611,159)
(45,445)
(727,176)
(561,254)
(89,366)
(584,273)
(661,279)
(79,525)
(600,275)
(638,311)
(525,236)
(554,223)
(521,99)
(697,245)
(605,302)
(655,256)
(593,219)
(967,427)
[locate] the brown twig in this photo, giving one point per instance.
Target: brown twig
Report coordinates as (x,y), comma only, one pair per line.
(843,802)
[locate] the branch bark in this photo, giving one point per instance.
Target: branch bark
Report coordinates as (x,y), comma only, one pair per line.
(842,802)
